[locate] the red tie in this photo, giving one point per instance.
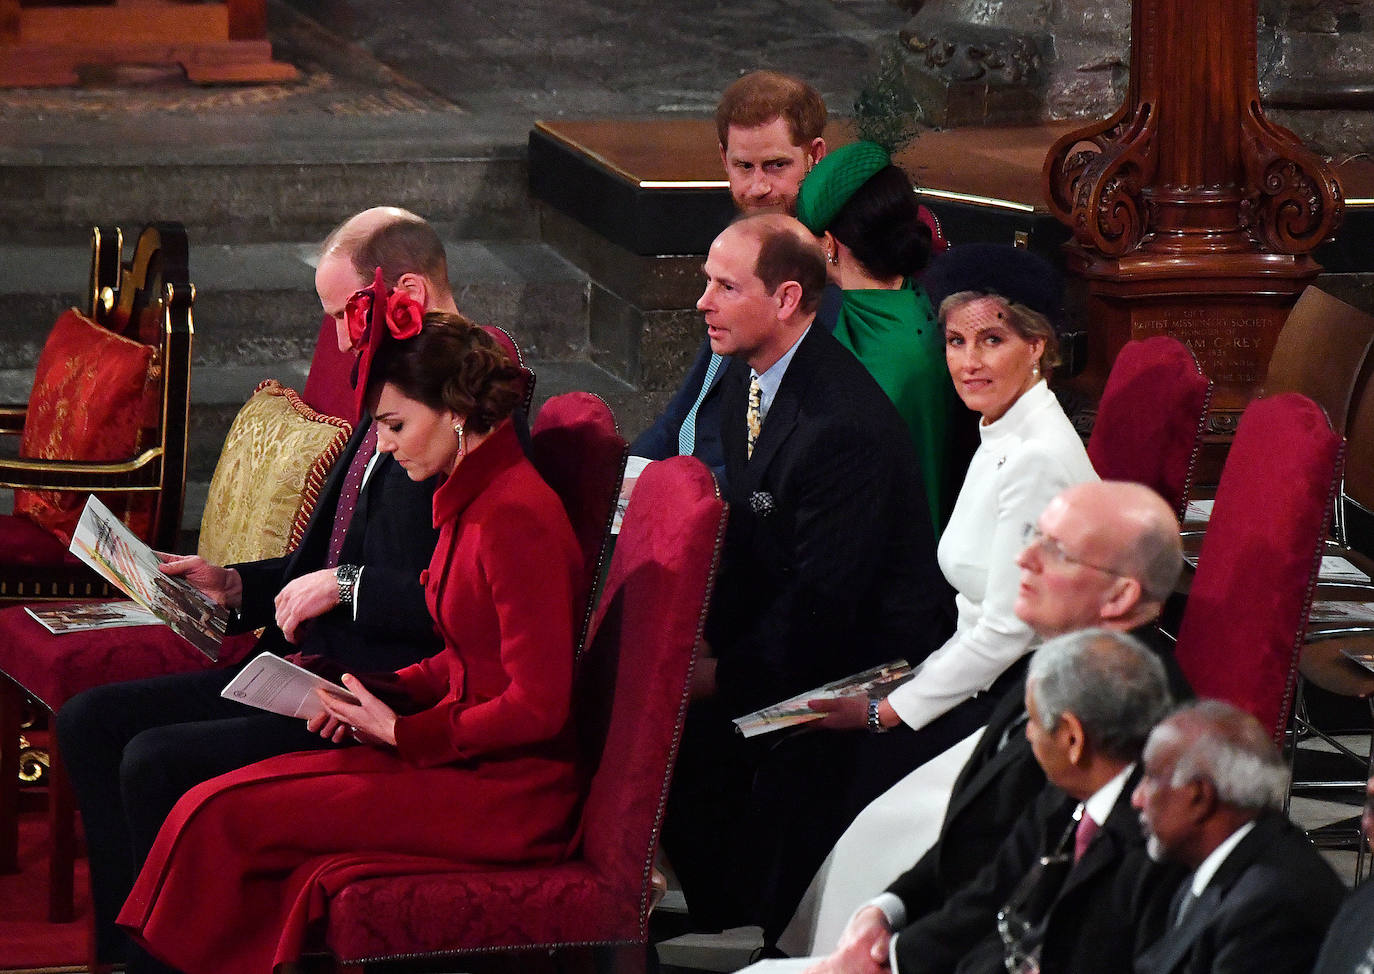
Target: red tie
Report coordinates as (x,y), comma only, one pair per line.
(1083,835)
(348,494)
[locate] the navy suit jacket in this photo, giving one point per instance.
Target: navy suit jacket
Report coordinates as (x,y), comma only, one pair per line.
(1266,909)
(829,560)
(659,441)
(392,535)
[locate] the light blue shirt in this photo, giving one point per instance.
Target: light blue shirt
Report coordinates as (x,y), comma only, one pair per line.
(771,379)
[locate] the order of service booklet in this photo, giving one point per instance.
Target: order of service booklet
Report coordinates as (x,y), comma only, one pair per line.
(102,542)
(85,616)
(879,681)
(271,683)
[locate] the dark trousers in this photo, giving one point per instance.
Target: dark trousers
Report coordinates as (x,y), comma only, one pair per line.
(131,750)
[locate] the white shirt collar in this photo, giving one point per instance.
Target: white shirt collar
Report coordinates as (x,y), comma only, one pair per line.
(771,379)
(1101,802)
(1204,873)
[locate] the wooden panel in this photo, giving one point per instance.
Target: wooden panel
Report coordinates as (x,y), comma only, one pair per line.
(168,23)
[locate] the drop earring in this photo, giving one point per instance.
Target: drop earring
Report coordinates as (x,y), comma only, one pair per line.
(458,428)
(1035,370)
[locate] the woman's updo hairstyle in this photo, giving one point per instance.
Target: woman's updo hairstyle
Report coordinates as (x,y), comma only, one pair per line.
(881,225)
(869,204)
(451,364)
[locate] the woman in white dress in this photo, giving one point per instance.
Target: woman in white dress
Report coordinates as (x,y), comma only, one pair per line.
(996,306)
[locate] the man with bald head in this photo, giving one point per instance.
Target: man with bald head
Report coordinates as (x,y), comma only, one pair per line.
(829,559)
(1260,897)
(350,592)
(1101,555)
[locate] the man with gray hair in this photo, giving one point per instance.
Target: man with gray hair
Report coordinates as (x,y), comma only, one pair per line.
(1071,889)
(1211,798)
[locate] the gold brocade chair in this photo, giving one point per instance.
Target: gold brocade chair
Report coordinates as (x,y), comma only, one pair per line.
(108,414)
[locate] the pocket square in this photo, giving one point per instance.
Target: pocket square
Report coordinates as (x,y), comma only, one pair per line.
(761,503)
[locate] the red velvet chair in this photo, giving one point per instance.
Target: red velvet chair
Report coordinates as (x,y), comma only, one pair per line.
(1151,418)
(631,699)
(581,455)
(1242,630)
(108,413)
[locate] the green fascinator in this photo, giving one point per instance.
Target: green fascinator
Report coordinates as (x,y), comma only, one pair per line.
(837,177)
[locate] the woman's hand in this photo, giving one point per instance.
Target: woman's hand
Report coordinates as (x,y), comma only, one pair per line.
(369,720)
(305,598)
(841,713)
(851,712)
(221,584)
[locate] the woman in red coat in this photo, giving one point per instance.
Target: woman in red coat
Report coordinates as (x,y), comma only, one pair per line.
(480,772)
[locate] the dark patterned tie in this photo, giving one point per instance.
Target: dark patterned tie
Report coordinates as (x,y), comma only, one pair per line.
(753,416)
(348,495)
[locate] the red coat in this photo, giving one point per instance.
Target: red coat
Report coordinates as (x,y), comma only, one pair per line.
(486,776)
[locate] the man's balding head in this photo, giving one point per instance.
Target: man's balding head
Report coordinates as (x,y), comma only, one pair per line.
(764,276)
(1107,554)
(403,245)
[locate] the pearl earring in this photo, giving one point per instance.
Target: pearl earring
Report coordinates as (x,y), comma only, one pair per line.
(458,428)
(1035,370)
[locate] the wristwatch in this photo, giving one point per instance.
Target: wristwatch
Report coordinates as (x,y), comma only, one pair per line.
(347,578)
(875,723)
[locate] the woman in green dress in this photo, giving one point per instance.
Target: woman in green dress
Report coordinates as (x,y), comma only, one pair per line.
(864,211)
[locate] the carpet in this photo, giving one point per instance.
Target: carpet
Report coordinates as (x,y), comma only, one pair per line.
(27,941)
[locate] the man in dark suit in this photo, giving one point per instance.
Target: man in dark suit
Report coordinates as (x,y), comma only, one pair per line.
(1103,554)
(829,560)
(1072,888)
(1349,945)
(1260,897)
(350,592)
(769,126)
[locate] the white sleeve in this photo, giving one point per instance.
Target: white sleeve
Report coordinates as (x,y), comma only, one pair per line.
(973,659)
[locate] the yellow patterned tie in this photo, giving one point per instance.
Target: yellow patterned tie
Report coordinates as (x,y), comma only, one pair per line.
(754,415)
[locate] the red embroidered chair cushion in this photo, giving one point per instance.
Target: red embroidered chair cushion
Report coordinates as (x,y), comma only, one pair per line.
(90,401)
(631,698)
(1242,631)
(1150,419)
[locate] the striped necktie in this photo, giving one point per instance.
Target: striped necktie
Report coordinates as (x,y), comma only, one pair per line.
(753,416)
(687,433)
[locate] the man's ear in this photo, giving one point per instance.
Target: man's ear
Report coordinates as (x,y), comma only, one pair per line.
(1122,599)
(1075,742)
(789,297)
(816,150)
(724,164)
(416,286)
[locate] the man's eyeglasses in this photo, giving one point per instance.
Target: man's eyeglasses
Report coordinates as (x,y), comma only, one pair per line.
(1032,536)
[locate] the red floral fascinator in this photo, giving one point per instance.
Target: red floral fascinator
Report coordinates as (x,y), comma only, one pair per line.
(402,318)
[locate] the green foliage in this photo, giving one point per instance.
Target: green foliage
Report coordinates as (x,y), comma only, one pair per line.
(886,112)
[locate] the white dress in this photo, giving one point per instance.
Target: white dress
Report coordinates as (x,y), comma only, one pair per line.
(1025,458)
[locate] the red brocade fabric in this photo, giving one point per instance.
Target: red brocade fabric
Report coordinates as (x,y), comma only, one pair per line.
(1150,417)
(89,402)
(1242,631)
(632,696)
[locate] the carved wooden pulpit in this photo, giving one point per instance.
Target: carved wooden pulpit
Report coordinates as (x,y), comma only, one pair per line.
(212,41)
(1192,214)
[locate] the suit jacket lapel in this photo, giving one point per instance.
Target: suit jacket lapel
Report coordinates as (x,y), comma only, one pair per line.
(1106,849)
(782,411)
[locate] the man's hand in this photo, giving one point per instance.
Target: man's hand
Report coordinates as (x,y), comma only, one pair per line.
(221,584)
(862,948)
(369,721)
(305,598)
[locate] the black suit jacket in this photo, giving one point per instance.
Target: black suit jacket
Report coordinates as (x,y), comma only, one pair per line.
(1350,940)
(829,562)
(392,536)
(1112,903)
(1266,909)
(998,782)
